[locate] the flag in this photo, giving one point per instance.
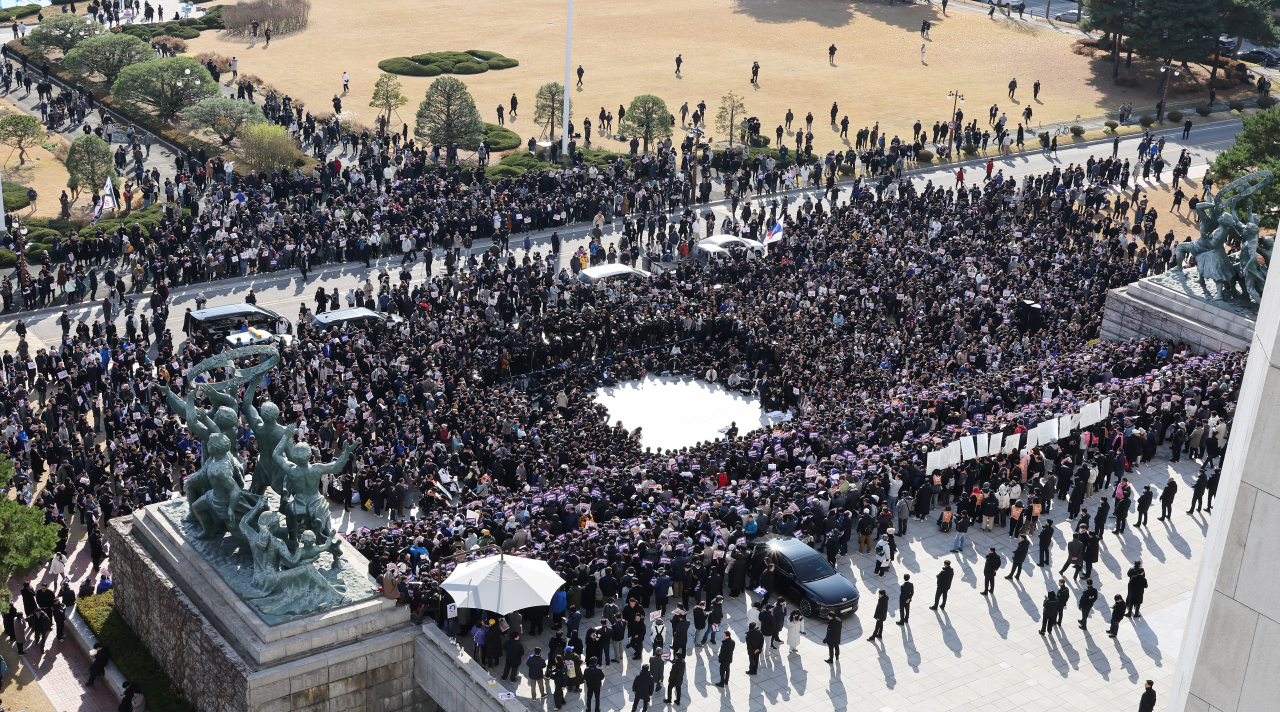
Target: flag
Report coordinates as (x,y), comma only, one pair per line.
(108,201)
(774,234)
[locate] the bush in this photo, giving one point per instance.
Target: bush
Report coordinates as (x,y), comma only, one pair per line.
(483,54)
(969,148)
(470,68)
(501,138)
(15,196)
(758,141)
(1236,104)
(408,67)
(267,146)
(177,44)
(14,13)
(503,63)
(282,16)
(522,160)
(1267,101)
(8,258)
(924,156)
(1203,110)
(1176,116)
(1235,112)
(1112,125)
(492,173)
(129,654)
(847,169)
(221,61)
(1146,120)
(1077,130)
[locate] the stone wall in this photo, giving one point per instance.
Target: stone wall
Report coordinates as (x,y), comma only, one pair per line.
(1144,309)
(207,671)
(453,682)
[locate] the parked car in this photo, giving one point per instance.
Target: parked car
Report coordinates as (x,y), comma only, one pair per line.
(592,275)
(358,317)
(806,579)
(227,318)
(1264,57)
(1073,17)
(254,335)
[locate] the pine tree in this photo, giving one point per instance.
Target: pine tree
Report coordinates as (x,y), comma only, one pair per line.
(1114,18)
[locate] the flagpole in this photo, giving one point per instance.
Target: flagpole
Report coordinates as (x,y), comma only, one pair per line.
(564,113)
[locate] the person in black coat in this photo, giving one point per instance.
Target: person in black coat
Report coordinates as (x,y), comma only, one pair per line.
(101,656)
(675,678)
(1166,499)
(834,629)
(514,650)
(945,576)
(1048,612)
(1100,517)
(1064,597)
(1197,492)
(755,645)
(16,628)
(725,658)
(1148,702)
(1144,504)
(1019,556)
(1137,589)
(594,678)
(882,612)
(1087,599)
(1117,615)
(1122,513)
(989,571)
(657,667)
(1046,542)
(642,687)
(905,593)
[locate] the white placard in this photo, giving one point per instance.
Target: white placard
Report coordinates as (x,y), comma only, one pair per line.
(1033,439)
(980,445)
(953,454)
(1090,414)
(1106,407)
(932,462)
(1048,431)
(967,451)
(997,440)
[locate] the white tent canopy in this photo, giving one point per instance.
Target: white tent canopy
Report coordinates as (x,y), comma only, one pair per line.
(502,584)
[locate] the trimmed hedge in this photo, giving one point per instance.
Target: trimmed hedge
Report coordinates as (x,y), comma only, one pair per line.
(1203,110)
(14,13)
(129,654)
(524,161)
(1146,120)
(187,29)
(1077,130)
(1267,101)
(431,64)
(1111,124)
(8,258)
(1175,116)
(924,156)
(408,67)
(492,173)
(15,196)
(1237,105)
(501,138)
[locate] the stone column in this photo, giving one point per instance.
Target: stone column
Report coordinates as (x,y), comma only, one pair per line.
(1230,657)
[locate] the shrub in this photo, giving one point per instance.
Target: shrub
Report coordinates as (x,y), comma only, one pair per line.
(15,197)
(1113,125)
(1236,104)
(847,169)
(1146,120)
(501,138)
(470,68)
(1203,110)
(408,67)
(758,141)
(492,173)
(1235,112)
(483,54)
(969,148)
(267,146)
(221,61)
(924,156)
(1176,116)
(8,258)
(176,44)
(522,160)
(1077,130)
(14,13)
(129,654)
(503,63)
(282,16)
(1267,101)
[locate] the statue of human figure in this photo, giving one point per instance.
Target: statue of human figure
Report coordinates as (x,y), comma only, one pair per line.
(222,418)
(214,510)
(268,431)
(285,582)
(306,508)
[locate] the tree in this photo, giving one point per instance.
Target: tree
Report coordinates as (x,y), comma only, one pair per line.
(62,32)
(1256,148)
(647,117)
(730,115)
(165,85)
(89,162)
(548,104)
(387,96)
(107,55)
(224,116)
(1176,31)
(1113,18)
(448,114)
(21,132)
(25,540)
(1248,20)
(267,146)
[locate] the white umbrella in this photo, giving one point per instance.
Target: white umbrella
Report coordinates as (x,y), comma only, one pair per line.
(502,585)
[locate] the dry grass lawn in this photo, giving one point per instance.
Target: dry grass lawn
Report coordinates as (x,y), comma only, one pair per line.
(630,48)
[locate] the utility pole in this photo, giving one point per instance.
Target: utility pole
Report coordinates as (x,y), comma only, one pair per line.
(564,113)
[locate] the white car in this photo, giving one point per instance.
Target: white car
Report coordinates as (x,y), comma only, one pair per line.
(255,336)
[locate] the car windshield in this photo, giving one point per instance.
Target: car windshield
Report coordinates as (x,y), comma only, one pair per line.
(812,568)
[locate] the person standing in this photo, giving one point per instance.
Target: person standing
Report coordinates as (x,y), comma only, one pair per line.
(1046,542)
(834,629)
(755,72)
(675,680)
(1013,87)
(642,688)
(101,656)
(725,658)
(1064,597)
(882,612)
(1117,615)
(989,571)
(1144,504)
(514,103)
(1048,612)
(594,677)
(1148,702)
(346,82)
(1019,556)
(679,61)
(905,593)
(1137,589)
(1035,90)
(514,650)
(1087,598)
(922,54)
(755,645)
(537,671)
(945,576)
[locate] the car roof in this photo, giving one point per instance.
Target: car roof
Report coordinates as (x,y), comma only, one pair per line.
(228,310)
(788,545)
(352,313)
(614,270)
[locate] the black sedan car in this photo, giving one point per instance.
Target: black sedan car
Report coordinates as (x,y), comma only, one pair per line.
(806,579)
(1264,57)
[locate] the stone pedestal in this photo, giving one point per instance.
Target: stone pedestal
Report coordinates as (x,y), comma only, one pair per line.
(1167,307)
(225,658)
(1229,660)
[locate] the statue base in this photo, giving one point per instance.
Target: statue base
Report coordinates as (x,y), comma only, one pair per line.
(226,658)
(1170,306)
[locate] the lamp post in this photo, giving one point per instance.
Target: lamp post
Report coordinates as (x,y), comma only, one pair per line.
(564,112)
(956,100)
(1164,69)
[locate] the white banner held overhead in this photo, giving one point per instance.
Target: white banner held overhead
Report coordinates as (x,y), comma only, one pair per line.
(994,446)
(980,445)
(967,451)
